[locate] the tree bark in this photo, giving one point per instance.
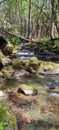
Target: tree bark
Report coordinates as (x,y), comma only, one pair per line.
(30,20)
(54,18)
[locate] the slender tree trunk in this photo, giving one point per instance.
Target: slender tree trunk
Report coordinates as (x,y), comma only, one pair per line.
(54,18)
(30,20)
(21,18)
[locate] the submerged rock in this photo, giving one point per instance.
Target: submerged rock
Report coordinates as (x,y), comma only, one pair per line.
(27,90)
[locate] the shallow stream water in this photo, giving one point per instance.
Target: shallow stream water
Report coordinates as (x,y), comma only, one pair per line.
(39,112)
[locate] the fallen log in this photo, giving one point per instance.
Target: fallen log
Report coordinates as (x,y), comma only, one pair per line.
(24,39)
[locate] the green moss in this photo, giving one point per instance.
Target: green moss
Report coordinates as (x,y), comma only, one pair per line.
(48,66)
(25,87)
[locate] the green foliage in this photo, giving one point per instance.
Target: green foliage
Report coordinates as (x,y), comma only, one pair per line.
(3,117)
(14,16)
(14,40)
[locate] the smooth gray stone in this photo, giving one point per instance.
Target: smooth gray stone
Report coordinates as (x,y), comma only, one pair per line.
(20,73)
(27,92)
(50,72)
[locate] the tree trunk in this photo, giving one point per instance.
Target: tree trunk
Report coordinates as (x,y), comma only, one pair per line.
(21,18)
(54,18)
(30,20)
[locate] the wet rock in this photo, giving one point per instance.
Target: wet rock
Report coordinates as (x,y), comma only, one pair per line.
(50,72)
(20,73)
(27,90)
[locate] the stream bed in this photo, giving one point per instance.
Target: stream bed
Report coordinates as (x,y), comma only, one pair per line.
(40,112)
(33,112)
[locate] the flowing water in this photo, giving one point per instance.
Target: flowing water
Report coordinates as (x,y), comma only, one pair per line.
(39,112)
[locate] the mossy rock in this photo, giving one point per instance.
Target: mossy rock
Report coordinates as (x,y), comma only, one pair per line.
(24,86)
(7,71)
(16,63)
(34,62)
(48,66)
(25,64)
(20,64)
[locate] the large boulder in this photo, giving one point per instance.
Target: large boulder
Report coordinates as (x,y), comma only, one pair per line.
(27,90)
(29,65)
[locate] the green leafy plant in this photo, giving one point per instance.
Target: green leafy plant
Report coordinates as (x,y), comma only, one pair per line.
(5,117)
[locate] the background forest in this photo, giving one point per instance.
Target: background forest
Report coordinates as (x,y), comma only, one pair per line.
(30,18)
